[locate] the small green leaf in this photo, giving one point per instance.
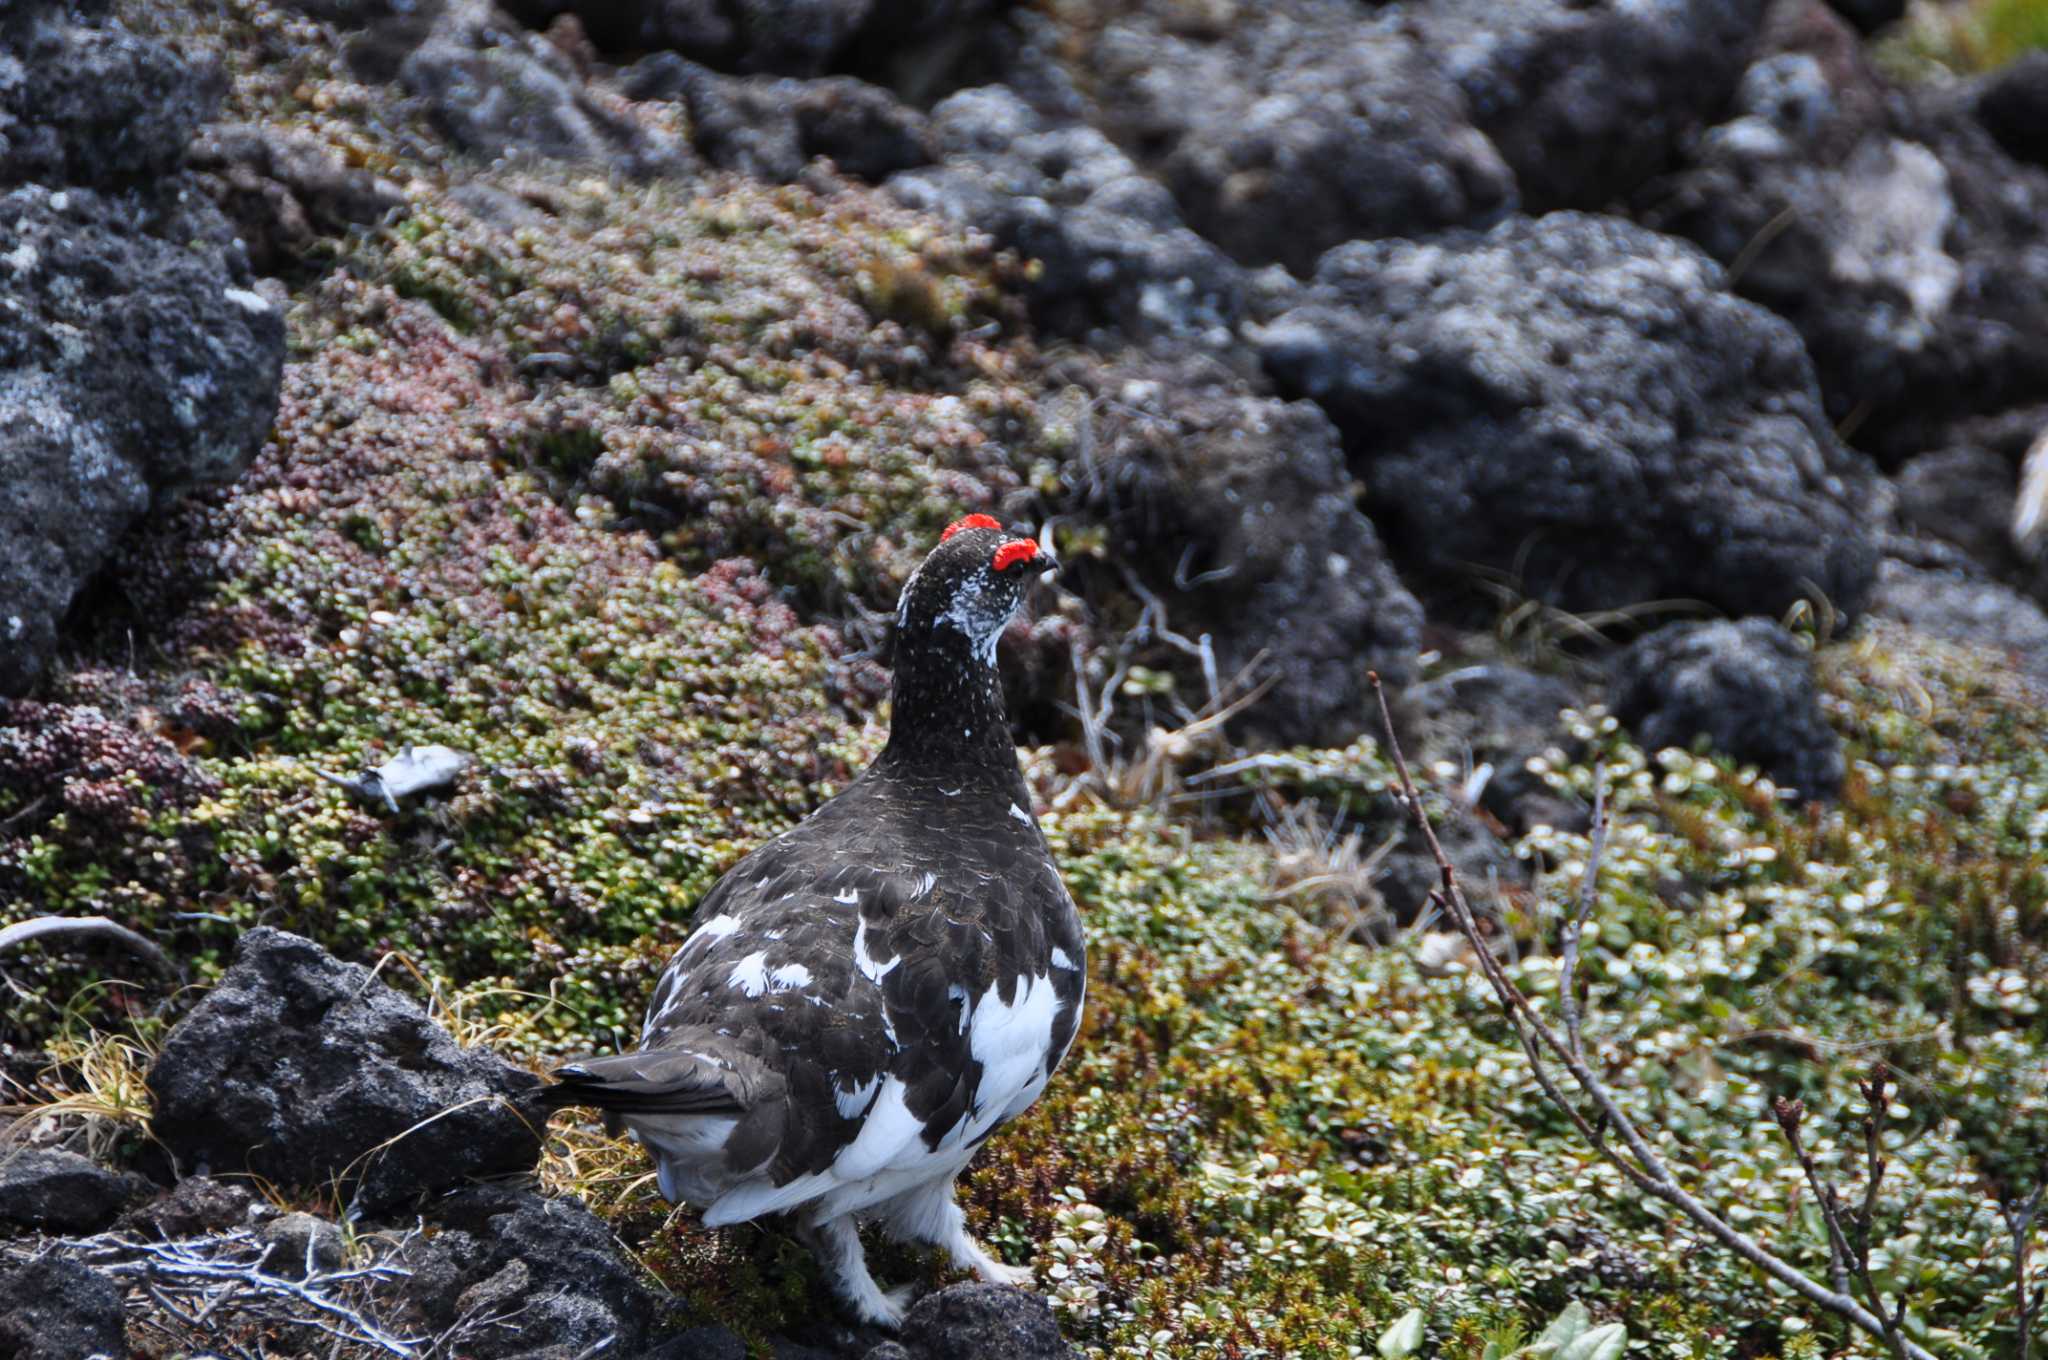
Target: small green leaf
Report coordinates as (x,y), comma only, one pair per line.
(1602,1343)
(1563,1329)
(1404,1337)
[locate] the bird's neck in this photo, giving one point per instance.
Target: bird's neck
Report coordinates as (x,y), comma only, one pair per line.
(946,712)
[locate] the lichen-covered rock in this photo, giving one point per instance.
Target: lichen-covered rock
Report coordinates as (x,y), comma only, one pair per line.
(1585,100)
(53,1309)
(61,1192)
(1746,687)
(1286,128)
(1236,511)
(770,127)
(513,1272)
(1578,404)
(136,360)
(1111,251)
(496,89)
(310,1072)
(1910,251)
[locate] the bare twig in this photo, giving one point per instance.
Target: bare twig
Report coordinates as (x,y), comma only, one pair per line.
(1640,1164)
(1589,882)
(97,927)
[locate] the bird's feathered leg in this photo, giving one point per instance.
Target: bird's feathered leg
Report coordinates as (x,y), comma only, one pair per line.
(836,1243)
(930,1215)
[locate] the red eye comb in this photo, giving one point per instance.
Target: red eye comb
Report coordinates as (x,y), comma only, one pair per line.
(971,522)
(1015,551)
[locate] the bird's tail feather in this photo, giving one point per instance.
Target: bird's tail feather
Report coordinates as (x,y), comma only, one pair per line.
(651,1081)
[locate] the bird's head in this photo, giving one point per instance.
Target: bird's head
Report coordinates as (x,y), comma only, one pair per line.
(971,583)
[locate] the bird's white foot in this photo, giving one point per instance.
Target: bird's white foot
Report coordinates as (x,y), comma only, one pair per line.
(836,1243)
(995,1272)
(928,1214)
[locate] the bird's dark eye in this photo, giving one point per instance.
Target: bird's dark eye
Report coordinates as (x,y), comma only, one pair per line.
(1011,553)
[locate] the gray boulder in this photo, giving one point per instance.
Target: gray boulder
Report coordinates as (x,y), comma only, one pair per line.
(61,1192)
(1580,407)
(302,1069)
(1745,687)
(1236,510)
(515,1273)
(1113,254)
(53,1309)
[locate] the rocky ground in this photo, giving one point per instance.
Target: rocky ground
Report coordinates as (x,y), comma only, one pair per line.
(1653,396)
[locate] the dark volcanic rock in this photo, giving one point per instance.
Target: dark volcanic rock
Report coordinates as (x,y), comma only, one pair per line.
(1586,100)
(495,89)
(1910,251)
(52,1309)
(1746,687)
(298,1067)
(1497,717)
(530,1273)
(1967,496)
(61,1192)
(1579,405)
(771,127)
(194,1206)
(1285,128)
(93,105)
(284,190)
(136,360)
(1868,16)
(1237,511)
(983,1322)
(2013,106)
(1112,249)
(776,37)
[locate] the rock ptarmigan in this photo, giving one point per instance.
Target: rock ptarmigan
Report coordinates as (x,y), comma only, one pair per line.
(870,995)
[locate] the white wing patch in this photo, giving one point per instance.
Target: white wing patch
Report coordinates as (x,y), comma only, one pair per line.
(871,968)
(1021,815)
(717,928)
(750,974)
(1060,960)
(788,977)
(1011,1043)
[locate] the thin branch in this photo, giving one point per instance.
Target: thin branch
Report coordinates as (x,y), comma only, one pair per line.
(1642,1166)
(92,927)
(2019,1222)
(1588,886)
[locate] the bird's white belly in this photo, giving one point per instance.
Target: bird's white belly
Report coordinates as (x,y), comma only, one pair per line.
(889,1155)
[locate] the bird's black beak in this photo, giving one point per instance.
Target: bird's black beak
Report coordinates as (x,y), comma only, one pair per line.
(1045,563)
